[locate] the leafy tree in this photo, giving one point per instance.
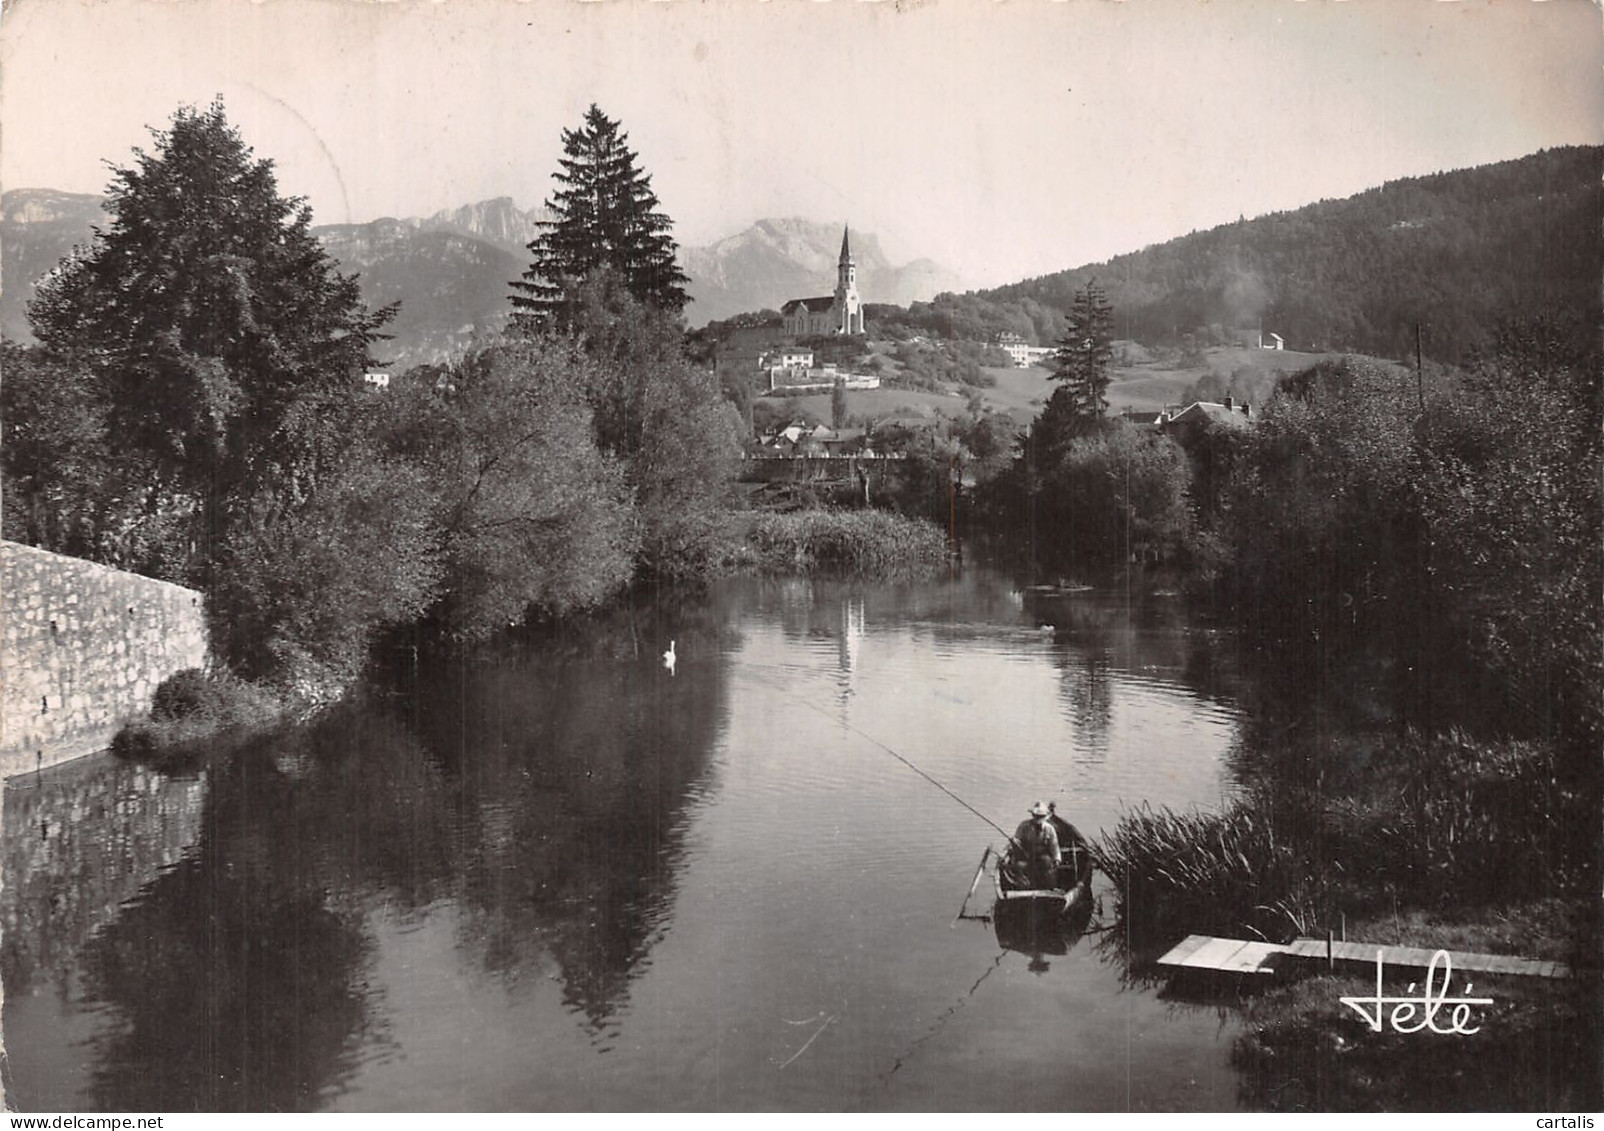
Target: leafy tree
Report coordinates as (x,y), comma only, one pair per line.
(55,456)
(210,419)
(1081,361)
(527,512)
(926,482)
(1509,480)
(663,417)
(1320,514)
(607,217)
(838,404)
(1109,498)
(225,349)
(302,591)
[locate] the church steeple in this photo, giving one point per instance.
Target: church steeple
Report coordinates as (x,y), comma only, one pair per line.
(846,271)
(849,308)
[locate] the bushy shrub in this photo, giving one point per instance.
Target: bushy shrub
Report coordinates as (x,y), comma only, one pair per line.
(193,713)
(183,694)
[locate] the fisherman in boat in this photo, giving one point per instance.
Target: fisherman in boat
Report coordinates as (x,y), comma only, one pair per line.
(1037,840)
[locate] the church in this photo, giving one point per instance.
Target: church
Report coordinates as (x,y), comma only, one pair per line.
(840,313)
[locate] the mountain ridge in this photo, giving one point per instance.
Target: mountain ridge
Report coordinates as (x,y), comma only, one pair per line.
(1454,252)
(452,270)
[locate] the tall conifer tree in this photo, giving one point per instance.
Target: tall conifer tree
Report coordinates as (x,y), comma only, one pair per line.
(607,218)
(1081,360)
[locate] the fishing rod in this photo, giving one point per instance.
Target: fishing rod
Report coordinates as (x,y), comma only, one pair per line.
(906,762)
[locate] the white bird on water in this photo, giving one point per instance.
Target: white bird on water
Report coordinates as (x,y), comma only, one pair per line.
(669,658)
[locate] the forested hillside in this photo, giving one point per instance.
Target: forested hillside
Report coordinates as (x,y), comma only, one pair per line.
(1456,252)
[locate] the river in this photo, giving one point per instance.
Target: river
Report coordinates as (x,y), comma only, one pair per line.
(561,876)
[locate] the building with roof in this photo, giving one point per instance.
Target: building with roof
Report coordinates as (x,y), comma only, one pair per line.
(840,313)
(1186,425)
(787,357)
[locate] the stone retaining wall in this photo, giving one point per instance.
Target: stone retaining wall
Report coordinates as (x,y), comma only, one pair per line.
(83,649)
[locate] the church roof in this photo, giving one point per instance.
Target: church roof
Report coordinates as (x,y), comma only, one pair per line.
(846,247)
(816,305)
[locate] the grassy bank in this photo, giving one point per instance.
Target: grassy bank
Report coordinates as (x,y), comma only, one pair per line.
(193,713)
(866,541)
(1535,1049)
(1443,842)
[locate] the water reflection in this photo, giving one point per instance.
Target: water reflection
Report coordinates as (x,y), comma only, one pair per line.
(78,841)
(557,875)
(1037,936)
(571,777)
(234,979)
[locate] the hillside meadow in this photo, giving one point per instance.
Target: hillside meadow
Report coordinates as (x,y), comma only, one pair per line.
(1019,393)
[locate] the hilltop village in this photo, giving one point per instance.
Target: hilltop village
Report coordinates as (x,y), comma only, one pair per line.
(811,363)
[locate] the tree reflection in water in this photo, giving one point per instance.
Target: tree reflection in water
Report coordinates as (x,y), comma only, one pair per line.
(235,978)
(573,765)
(539,795)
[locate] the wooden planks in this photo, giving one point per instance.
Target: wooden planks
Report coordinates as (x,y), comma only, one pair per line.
(1224,956)
(1419,958)
(1204,953)
(1187,947)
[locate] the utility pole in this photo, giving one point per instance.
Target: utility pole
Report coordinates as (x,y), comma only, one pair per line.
(1420,381)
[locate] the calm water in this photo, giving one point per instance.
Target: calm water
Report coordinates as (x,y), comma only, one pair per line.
(566,878)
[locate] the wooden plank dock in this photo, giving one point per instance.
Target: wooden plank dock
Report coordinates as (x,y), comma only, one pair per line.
(1204,954)
(1221,956)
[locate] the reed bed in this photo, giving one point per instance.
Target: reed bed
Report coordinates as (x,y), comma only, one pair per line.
(1207,873)
(864,541)
(1435,824)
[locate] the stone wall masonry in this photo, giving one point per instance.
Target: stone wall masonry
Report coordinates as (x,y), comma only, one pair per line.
(82,649)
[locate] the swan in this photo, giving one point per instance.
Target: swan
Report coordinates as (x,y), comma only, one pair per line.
(669,658)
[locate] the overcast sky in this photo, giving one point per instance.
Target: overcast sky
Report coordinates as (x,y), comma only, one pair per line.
(1001,139)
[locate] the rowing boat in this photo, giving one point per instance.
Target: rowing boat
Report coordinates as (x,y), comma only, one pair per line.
(1071,884)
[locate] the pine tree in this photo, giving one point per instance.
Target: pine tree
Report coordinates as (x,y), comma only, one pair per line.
(607,219)
(1081,360)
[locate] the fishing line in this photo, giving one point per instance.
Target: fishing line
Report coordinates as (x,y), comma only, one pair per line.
(875,741)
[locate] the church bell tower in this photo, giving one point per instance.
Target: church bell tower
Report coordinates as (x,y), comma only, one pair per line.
(848,306)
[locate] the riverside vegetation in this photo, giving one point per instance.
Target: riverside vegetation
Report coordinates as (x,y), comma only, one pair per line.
(196,411)
(1423,563)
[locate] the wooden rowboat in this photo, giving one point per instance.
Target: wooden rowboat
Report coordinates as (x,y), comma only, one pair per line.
(1071,886)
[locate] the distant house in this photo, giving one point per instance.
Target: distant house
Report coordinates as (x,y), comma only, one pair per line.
(1275,341)
(840,313)
(787,357)
(1145,420)
(1019,352)
(1186,425)
(376,380)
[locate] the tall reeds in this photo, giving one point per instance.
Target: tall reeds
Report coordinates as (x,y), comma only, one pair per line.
(866,541)
(1436,824)
(1207,873)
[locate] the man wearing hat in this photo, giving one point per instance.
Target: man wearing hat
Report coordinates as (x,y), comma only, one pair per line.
(1038,844)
